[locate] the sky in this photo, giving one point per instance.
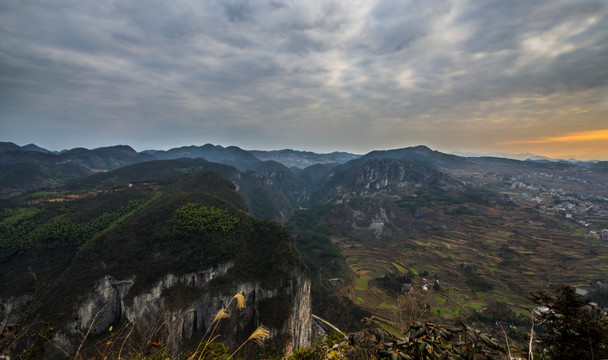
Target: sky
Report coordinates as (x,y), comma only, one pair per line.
(511,76)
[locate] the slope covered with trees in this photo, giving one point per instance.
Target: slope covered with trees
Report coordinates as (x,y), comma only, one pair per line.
(56,246)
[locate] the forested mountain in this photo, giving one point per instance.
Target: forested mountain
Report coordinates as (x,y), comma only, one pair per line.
(141,248)
(30,167)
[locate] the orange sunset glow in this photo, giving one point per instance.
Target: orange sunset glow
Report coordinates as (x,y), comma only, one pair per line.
(584,145)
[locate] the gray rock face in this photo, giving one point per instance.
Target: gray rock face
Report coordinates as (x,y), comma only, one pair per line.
(299,324)
(151,312)
(104,306)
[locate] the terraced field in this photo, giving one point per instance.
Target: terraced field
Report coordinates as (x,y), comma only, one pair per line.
(477,259)
(473,241)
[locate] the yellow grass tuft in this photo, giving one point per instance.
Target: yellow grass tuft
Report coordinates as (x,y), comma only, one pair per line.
(210,337)
(222,314)
(240,301)
(260,335)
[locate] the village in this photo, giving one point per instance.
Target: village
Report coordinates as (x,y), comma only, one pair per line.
(587,209)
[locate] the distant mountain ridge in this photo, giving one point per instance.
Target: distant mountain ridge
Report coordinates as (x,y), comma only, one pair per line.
(291,158)
(9,146)
(420,152)
(295,173)
(523,156)
(31,167)
(303,159)
(231,155)
(103,158)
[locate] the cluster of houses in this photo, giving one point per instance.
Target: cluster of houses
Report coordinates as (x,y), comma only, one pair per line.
(574,211)
(570,205)
(544,194)
(602,235)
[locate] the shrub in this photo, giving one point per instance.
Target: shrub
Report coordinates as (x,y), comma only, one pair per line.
(574,327)
(421,341)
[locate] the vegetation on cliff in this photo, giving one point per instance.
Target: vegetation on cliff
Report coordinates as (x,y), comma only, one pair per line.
(141,231)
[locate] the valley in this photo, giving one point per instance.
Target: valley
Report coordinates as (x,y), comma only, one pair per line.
(404,235)
(466,249)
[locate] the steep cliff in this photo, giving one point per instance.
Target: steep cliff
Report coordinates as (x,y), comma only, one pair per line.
(370,178)
(160,258)
(179,318)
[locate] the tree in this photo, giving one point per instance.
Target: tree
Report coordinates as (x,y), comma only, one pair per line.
(575,328)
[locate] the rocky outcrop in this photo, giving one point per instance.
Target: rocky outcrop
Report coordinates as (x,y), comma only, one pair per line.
(299,324)
(153,311)
(104,306)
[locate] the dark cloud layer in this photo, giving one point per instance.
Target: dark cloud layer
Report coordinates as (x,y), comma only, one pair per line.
(318,75)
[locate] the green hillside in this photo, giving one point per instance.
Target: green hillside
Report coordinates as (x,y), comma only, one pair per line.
(59,244)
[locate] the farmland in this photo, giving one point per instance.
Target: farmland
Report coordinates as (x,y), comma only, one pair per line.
(460,259)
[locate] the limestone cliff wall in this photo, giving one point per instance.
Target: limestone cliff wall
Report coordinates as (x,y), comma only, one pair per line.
(110,302)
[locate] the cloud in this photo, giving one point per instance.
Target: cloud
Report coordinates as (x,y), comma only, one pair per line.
(321,75)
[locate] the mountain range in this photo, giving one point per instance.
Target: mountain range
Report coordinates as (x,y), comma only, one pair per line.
(396,233)
(24,168)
